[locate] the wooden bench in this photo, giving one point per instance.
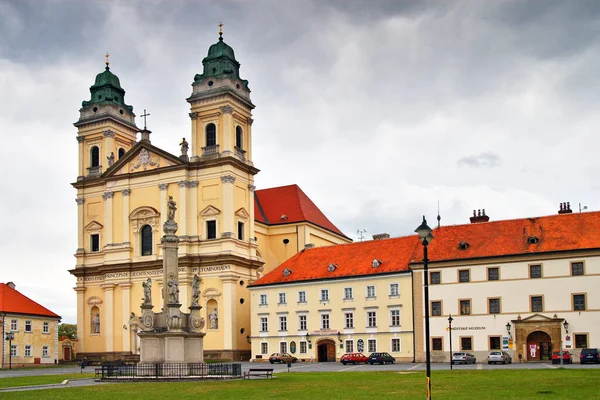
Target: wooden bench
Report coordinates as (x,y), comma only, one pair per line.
(261,372)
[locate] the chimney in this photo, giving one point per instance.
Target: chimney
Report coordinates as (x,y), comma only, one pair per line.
(309,245)
(10,285)
(565,208)
(381,236)
(479,216)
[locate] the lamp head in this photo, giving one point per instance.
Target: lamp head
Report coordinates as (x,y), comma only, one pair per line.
(450,319)
(508,326)
(566,325)
(424,232)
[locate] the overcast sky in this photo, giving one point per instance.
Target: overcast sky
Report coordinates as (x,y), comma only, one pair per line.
(376,109)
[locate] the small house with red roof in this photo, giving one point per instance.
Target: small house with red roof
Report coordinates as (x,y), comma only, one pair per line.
(31,327)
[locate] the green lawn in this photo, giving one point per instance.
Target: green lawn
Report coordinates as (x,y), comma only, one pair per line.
(39,380)
(511,384)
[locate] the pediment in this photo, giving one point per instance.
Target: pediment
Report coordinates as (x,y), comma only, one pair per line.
(210,210)
(211,293)
(242,213)
(144,212)
(142,157)
(93,226)
(537,318)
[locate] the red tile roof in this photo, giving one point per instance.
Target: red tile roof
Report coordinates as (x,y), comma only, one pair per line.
(289,202)
(13,302)
(488,239)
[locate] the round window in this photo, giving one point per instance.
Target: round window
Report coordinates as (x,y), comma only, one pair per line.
(210,83)
(242,301)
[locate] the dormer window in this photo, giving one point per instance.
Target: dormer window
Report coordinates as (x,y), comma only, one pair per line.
(463,245)
(532,240)
(287,272)
(283,217)
(376,263)
(331,267)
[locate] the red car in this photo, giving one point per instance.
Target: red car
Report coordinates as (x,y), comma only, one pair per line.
(567,357)
(353,358)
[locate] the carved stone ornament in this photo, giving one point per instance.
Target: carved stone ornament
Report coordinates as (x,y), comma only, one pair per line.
(80,201)
(107,195)
(227,110)
(192,184)
(182,184)
(195,291)
(144,160)
(126,192)
(251,188)
(193,115)
(211,294)
(250,121)
(108,133)
(196,321)
(228,179)
(94,301)
(163,186)
(144,216)
(80,139)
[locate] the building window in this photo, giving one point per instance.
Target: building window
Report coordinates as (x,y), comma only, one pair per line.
(324,294)
(283,323)
(28,326)
(211,135)
(465,307)
(94,242)
(578,302)
(324,321)
(464,275)
(239,137)
(495,342)
(282,299)
(396,345)
(537,304)
(349,346)
(27,350)
(348,293)
(302,297)
(14,325)
(94,157)
(45,351)
(46,327)
(349,319)
(372,345)
(494,306)
(535,271)
(466,343)
(581,341)
(146,240)
(394,289)
(371,319)
(437,344)
(435,278)
(371,291)
(263,299)
(436,308)
(303,347)
(302,322)
(283,347)
(240,230)
(493,274)
(264,324)
(211,229)
(121,152)
(395,317)
(264,348)
(577,268)
(13,350)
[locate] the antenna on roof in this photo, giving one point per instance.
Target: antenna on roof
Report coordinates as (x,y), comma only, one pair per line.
(581,208)
(438,217)
(361,233)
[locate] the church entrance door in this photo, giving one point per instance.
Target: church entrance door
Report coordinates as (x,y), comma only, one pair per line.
(326,350)
(539,346)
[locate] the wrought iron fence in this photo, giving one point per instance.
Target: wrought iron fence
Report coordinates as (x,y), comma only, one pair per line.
(171,371)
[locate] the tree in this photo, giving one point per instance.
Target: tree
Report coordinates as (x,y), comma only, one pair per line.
(68,330)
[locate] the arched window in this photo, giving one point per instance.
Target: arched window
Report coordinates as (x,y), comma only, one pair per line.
(95,156)
(146,240)
(211,135)
(239,137)
(121,152)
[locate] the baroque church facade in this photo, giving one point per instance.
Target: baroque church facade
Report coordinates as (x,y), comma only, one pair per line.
(230,234)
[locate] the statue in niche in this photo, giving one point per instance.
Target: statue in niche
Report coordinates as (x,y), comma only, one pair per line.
(111,159)
(173,290)
(214,319)
(172,208)
(195,290)
(96,323)
(184,147)
(147,293)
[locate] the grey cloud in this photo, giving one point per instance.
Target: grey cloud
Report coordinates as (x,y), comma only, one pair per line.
(483,160)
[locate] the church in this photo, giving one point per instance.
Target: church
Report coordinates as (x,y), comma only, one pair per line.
(230,234)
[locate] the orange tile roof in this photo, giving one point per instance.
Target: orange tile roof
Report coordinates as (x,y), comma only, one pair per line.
(14,302)
(291,203)
(488,239)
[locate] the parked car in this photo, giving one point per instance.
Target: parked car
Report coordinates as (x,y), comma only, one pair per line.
(282,358)
(589,355)
(463,358)
(353,358)
(380,358)
(567,357)
(496,357)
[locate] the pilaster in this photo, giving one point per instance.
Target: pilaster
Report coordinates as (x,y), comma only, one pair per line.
(195,142)
(126,212)
(182,207)
(108,331)
(228,315)
(252,235)
(249,146)
(228,202)
(81,170)
(193,185)
(163,202)
(227,127)
(80,244)
(108,217)
(125,310)
(109,147)
(81,309)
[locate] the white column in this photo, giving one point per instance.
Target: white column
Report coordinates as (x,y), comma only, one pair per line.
(182,207)
(163,204)
(126,194)
(81,170)
(228,201)
(227,313)
(108,217)
(251,189)
(125,310)
(193,209)
(226,129)
(249,141)
(80,239)
(108,330)
(81,324)
(195,141)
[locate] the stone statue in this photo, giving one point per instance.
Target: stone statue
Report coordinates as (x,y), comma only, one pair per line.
(184,147)
(195,290)
(214,319)
(96,323)
(147,293)
(172,208)
(173,290)
(111,159)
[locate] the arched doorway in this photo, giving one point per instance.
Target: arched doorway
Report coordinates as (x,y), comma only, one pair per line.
(539,346)
(326,350)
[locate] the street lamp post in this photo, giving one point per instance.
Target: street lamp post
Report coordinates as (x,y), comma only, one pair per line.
(450,319)
(424,232)
(10,337)
(566,325)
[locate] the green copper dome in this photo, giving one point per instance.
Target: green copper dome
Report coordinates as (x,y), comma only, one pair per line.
(107,78)
(220,63)
(221,49)
(107,90)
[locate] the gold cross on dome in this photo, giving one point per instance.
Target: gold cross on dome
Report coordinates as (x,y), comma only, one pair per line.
(107,55)
(220,28)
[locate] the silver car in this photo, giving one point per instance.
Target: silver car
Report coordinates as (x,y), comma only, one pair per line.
(463,358)
(496,357)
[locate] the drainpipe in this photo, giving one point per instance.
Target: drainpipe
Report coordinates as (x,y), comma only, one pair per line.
(3,344)
(412,280)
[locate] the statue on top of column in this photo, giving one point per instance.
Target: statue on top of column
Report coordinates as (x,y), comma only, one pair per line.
(172,208)
(147,293)
(195,291)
